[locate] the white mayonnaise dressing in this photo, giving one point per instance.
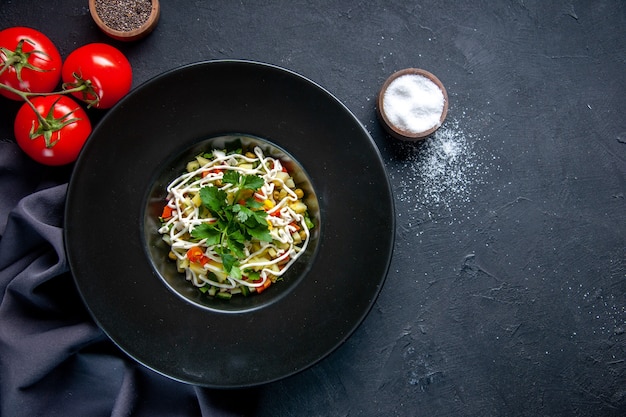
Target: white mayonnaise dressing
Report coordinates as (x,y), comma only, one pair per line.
(282,218)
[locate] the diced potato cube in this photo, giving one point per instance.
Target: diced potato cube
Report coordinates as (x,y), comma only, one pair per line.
(221,277)
(182,264)
(202,161)
(197,268)
(299,207)
(192,166)
(197,200)
(283,176)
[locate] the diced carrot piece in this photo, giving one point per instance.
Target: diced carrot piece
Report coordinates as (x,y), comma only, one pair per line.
(265,285)
(167,212)
(211,171)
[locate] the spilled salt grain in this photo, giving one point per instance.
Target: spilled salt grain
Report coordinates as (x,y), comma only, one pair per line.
(440,176)
(413,103)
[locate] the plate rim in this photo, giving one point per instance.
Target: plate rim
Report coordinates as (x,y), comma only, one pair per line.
(363,133)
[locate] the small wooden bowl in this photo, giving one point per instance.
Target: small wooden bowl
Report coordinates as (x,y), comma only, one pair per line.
(131,35)
(396,131)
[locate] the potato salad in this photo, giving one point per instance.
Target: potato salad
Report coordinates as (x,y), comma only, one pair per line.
(235,222)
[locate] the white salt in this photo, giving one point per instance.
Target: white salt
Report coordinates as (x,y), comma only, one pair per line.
(413,103)
(440,177)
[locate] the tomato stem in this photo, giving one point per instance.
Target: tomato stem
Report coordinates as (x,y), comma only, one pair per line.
(18,59)
(42,121)
(7,63)
(24,96)
(51,124)
(83,85)
(47,125)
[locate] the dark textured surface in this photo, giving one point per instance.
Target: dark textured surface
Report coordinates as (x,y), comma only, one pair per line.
(507,289)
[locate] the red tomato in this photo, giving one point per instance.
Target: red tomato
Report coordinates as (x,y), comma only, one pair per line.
(34,63)
(102,67)
(69,127)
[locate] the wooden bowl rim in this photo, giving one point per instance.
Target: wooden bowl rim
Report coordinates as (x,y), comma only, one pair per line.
(129,35)
(401,133)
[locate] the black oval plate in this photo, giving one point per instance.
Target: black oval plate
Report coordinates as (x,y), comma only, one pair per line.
(106,205)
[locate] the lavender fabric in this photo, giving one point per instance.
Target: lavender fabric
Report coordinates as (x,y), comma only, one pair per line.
(54,360)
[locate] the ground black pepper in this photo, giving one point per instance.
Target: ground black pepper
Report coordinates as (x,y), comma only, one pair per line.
(123,15)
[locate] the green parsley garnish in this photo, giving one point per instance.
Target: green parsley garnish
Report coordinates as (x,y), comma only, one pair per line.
(237,222)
